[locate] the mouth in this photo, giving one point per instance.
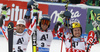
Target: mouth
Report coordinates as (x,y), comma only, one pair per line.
(20,29)
(77,34)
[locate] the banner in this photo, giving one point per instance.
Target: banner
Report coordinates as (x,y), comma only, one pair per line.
(97,14)
(78,15)
(17,0)
(17,11)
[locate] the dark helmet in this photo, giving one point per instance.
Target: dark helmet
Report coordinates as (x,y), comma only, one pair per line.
(45,17)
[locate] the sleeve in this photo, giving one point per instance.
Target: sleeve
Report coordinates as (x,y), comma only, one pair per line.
(32,26)
(95,40)
(60,33)
(4,31)
(54,33)
(27,18)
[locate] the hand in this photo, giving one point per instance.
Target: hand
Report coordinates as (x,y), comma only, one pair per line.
(60,20)
(5,8)
(35,6)
(32,5)
(95,24)
(1,20)
(56,26)
(29,4)
(62,14)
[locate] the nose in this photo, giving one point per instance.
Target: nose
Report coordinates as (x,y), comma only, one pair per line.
(77,32)
(44,24)
(21,26)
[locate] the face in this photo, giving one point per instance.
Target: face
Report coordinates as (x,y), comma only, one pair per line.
(20,28)
(44,27)
(77,32)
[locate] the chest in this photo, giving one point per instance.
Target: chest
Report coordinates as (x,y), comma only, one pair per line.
(44,36)
(18,40)
(75,45)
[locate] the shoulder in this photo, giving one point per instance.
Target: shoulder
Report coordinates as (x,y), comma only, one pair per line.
(49,31)
(38,27)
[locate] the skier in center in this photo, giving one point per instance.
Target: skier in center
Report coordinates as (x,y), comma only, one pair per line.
(44,36)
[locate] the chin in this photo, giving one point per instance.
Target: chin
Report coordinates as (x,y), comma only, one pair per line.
(43,30)
(19,32)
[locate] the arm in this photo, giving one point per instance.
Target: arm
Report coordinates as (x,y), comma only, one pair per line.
(57,29)
(27,15)
(32,5)
(4,15)
(31,23)
(1,20)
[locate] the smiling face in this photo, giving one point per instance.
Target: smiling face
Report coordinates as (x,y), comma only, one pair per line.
(77,32)
(20,28)
(44,24)
(44,27)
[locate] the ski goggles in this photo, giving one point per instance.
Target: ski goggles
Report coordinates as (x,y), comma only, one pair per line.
(47,22)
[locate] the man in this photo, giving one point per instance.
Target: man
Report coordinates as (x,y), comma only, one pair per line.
(75,42)
(20,38)
(44,36)
(70,34)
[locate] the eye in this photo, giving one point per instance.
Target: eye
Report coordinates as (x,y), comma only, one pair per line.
(79,29)
(23,26)
(19,25)
(75,30)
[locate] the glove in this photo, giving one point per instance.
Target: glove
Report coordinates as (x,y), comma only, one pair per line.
(4,10)
(29,4)
(62,14)
(60,20)
(95,24)
(1,20)
(32,5)
(56,26)
(35,6)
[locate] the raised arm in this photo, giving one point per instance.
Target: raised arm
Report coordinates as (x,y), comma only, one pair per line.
(31,23)
(2,20)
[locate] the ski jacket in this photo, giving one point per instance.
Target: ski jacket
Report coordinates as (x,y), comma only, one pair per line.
(70,46)
(20,40)
(44,39)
